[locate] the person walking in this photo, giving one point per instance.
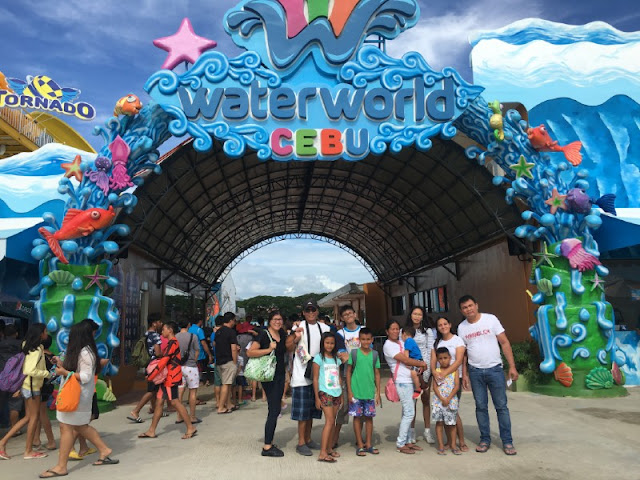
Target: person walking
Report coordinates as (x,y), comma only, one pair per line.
(272,339)
(483,335)
(35,371)
(82,361)
(226,361)
(398,364)
(190,375)
(303,404)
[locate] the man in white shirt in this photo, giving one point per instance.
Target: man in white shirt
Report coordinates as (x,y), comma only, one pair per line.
(483,336)
(303,404)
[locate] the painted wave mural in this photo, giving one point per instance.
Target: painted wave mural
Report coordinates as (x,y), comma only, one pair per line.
(610,136)
(534,60)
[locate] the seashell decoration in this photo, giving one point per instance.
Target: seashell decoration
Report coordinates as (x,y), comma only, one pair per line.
(598,378)
(618,375)
(563,374)
(545,286)
(62,277)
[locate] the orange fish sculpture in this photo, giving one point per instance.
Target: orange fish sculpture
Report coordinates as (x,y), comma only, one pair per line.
(128,105)
(76,224)
(541,141)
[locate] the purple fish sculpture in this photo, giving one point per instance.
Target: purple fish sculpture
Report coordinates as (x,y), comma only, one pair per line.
(99,175)
(578,201)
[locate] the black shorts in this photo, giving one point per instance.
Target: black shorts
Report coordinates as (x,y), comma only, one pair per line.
(95,412)
(152,387)
(170,393)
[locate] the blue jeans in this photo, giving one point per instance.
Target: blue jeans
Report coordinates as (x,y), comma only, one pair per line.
(405,392)
(493,380)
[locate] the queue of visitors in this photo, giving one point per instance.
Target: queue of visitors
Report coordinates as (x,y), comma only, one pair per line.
(332,372)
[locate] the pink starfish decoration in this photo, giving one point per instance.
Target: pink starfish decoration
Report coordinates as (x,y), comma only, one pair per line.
(597,282)
(95,278)
(183,46)
(556,201)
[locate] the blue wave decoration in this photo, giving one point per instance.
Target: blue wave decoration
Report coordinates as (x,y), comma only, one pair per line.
(261,25)
(528,30)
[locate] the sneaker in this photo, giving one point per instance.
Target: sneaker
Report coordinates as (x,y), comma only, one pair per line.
(428,436)
(273,452)
(303,450)
(313,445)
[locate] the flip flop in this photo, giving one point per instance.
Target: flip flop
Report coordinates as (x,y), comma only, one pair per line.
(137,419)
(509,449)
(197,420)
(482,447)
(53,474)
(52,448)
(464,447)
(4,456)
(178,421)
(373,450)
(187,436)
(200,402)
(105,461)
(327,460)
(144,435)
(334,454)
(225,412)
(361,452)
(456,451)
(406,450)
(442,451)
(233,409)
(35,456)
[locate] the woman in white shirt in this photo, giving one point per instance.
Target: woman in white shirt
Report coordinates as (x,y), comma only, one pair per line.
(446,338)
(398,364)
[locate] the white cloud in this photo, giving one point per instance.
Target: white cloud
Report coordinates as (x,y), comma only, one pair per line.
(296,267)
(443,40)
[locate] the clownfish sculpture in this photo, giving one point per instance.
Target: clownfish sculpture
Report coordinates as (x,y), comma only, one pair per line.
(541,142)
(129,105)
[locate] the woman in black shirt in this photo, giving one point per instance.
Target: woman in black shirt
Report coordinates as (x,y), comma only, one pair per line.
(270,339)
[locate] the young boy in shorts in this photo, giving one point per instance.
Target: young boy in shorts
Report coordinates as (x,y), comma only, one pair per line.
(363,387)
(412,351)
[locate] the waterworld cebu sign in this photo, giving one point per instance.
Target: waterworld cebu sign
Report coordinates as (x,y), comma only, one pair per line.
(308,87)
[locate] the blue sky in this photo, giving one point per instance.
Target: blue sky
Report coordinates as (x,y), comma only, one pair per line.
(105,49)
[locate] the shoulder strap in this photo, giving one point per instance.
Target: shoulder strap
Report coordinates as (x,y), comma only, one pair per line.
(306,324)
(375,358)
(354,357)
(395,373)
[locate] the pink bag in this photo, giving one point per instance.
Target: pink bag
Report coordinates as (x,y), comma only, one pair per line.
(390,390)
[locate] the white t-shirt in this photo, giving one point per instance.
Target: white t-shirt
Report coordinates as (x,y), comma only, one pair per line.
(483,349)
(351,337)
(297,377)
(390,350)
(451,344)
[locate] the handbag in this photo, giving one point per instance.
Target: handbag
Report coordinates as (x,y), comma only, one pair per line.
(308,371)
(390,390)
(262,369)
(68,397)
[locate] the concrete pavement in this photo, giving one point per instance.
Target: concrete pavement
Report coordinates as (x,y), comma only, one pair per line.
(556,438)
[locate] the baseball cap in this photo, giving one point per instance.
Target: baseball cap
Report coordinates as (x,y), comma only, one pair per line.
(311,303)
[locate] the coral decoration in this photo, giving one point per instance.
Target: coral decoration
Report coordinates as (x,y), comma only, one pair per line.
(120,179)
(578,257)
(183,46)
(100,176)
(73,169)
(563,374)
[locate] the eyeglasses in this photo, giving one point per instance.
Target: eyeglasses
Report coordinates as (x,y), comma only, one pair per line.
(310,309)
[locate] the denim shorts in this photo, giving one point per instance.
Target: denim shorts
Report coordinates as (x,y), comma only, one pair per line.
(28,393)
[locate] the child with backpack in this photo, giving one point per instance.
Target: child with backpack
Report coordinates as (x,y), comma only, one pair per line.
(363,390)
(26,372)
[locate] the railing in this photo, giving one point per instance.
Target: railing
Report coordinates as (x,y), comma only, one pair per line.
(26,126)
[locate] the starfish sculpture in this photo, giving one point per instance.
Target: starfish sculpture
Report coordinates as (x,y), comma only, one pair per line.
(73,169)
(556,201)
(597,283)
(522,168)
(545,256)
(96,278)
(183,46)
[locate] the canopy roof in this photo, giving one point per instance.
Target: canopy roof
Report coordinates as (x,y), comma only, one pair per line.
(399,212)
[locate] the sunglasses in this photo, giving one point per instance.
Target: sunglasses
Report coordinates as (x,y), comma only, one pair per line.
(310,309)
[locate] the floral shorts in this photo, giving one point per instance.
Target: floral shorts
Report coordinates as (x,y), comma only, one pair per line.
(190,377)
(362,408)
(443,414)
(327,400)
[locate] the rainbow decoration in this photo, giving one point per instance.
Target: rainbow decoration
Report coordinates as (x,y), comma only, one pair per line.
(297,20)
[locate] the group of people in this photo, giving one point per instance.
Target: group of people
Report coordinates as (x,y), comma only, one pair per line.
(335,373)
(39,368)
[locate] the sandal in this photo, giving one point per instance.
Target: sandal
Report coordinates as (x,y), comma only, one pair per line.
(456,451)
(483,447)
(361,452)
(406,450)
(105,461)
(334,454)
(327,459)
(52,474)
(4,455)
(415,447)
(35,455)
(442,451)
(509,449)
(188,435)
(145,435)
(464,447)
(373,450)
(134,418)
